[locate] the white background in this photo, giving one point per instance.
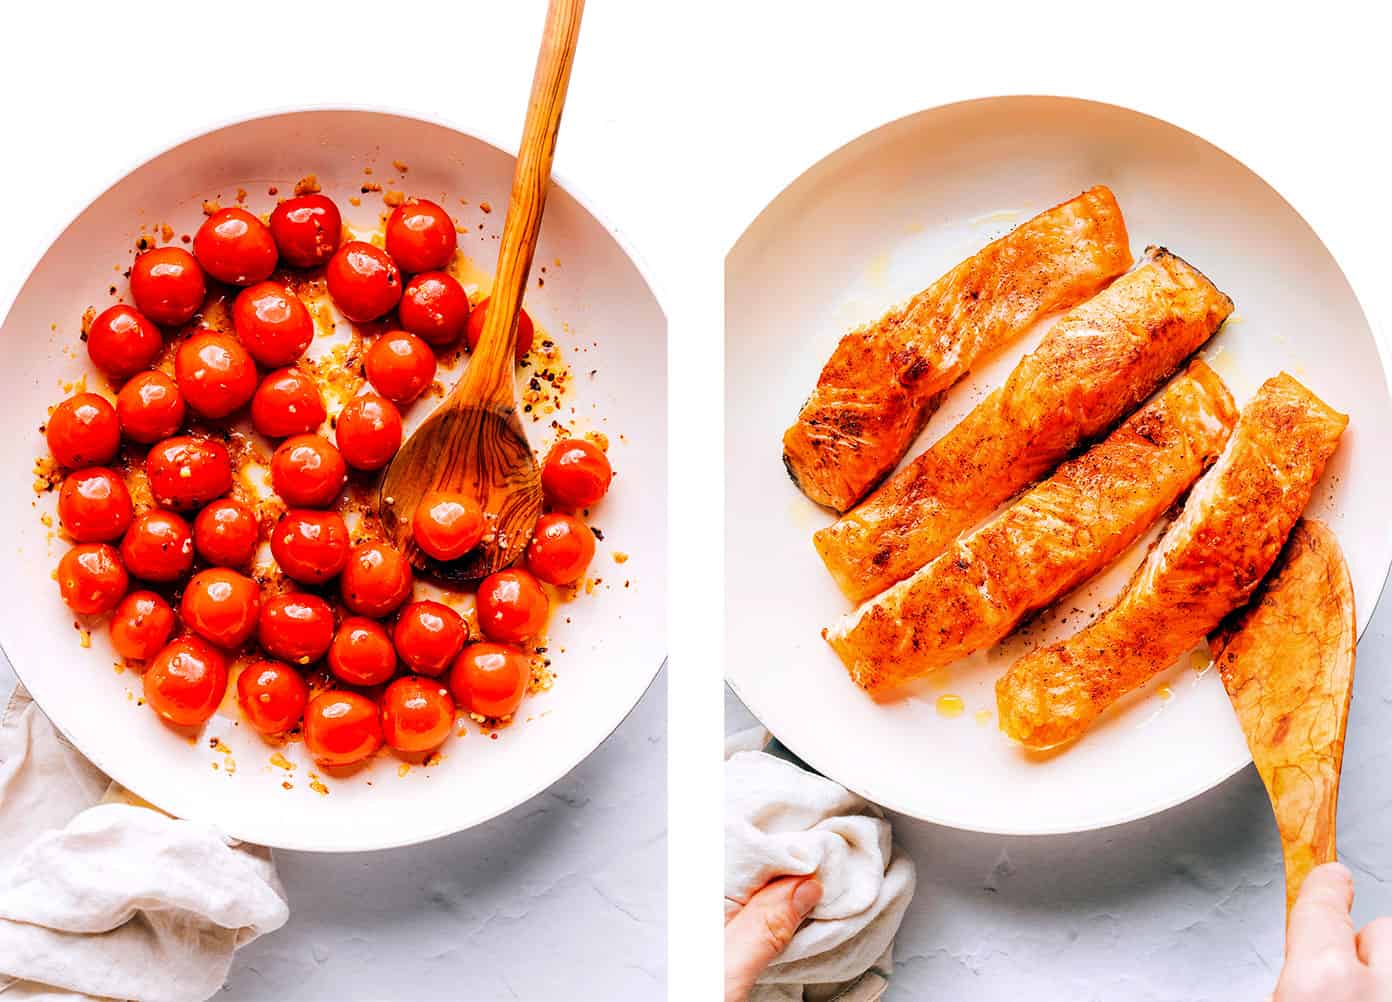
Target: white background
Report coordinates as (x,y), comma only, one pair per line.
(684,120)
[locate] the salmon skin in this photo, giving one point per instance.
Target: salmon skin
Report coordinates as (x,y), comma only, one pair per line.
(1208,563)
(1055,537)
(884,381)
(1093,368)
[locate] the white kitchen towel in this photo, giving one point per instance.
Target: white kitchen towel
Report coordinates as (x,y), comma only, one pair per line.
(781,820)
(102,896)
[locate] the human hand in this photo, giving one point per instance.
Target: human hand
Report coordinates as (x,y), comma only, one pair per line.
(760,931)
(1326,961)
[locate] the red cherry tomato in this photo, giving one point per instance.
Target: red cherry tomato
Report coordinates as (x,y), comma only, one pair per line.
(377,579)
(526,331)
(417,714)
(215,373)
(307,471)
(447,524)
(512,606)
(91,578)
(167,285)
(363,281)
(272,323)
(562,547)
(342,728)
(310,546)
(94,505)
(399,366)
(428,635)
(368,431)
(186,681)
(121,342)
(150,407)
(221,606)
(158,546)
(420,236)
(490,679)
(272,696)
(287,403)
(235,247)
(296,627)
(436,307)
(576,473)
(306,229)
(83,431)
(141,625)
(185,472)
(226,533)
(361,652)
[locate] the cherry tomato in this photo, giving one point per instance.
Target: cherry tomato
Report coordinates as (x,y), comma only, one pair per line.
(158,546)
(272,323)
(221,606)
(186,681)
(307,471)
(121,342)
(576,473)
(306,229)
(83,431)
(512,606)
(141,625)
(215,373)
(420,236)
(287,403)
(436,307)
(562,547)
(296,627)
(490,679)
(377,579)
(94,505)
(226,533)
(399,366)
(342,728)
(150,407)
(447,524)
(235,247)
(185,472)
(361,652)
(526,331)
(363,281)
(428,635)
(417,714)
(167,285)
(368,431)
(91,578)
(272,696)
(310,546)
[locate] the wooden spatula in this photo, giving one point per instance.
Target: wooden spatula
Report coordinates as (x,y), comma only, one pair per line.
(1287,663)
(474,442)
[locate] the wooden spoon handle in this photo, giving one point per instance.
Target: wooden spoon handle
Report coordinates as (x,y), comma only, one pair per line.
(489,375)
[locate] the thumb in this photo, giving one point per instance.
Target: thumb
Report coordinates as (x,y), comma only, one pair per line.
(763,928)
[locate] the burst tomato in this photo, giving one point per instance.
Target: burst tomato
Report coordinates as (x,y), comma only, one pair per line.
(272,696)
(186,681)
(368,431)
(576,473)
(167,285)
(185,472)
(296,627)
(447,524)
(235,247)
(562,547)
(428,635)
(361,652)
(307,471)
(221,606)
(94,505)
(83,431)
(310,546)
(512,606)
(158,546)
(150,407)
(363,281)
(435,307)
(342,728)
(226,533)
(399,366)
(121,342)
(490,679)
(376,580)
(272,324)
(287,403)
(215,373)
(91,578)
(141,625)
(306,229)
(420,236)
(417,714)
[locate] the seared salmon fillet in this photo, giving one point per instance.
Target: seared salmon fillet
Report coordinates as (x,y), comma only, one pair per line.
(1208,563)
(884,381)
(1091,370)
(1055,537)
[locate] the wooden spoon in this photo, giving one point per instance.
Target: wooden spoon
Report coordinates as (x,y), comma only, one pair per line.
(474,442)
(1287,663)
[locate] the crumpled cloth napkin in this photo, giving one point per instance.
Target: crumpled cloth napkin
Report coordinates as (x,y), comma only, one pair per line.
(781,820)
(103,896)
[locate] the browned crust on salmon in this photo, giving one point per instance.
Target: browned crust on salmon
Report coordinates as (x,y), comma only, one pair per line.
(1093,368)
(885,380)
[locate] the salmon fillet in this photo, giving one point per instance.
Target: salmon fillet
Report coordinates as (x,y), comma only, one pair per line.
(1051,540)
(1091,370)
(1208,563)
(884,381)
